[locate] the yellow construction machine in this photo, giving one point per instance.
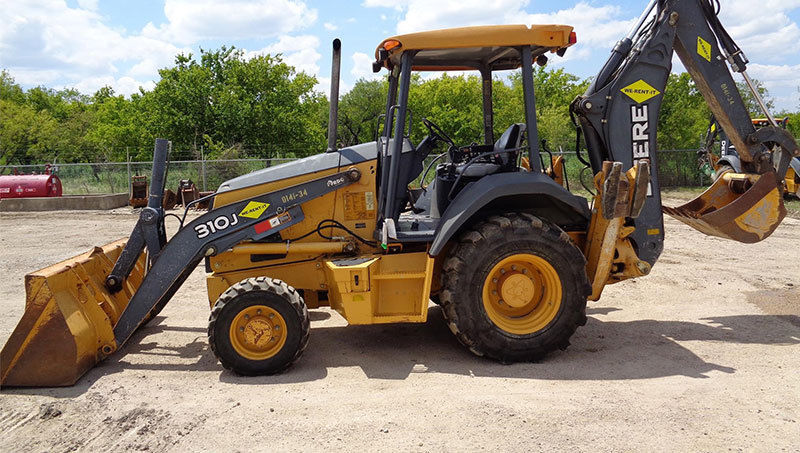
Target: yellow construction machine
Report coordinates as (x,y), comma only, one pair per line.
(715,163)
(510,254)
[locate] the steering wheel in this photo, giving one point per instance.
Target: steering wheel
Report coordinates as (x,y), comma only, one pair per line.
(436,132)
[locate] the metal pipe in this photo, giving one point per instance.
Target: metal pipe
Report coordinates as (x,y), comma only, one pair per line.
(383,141)
(760,101)
(159,173)
(642,18)
(488,112)
(281,248)
(399,129)
(530,109)
(333,113)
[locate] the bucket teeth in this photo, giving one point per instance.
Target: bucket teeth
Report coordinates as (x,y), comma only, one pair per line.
(67,326)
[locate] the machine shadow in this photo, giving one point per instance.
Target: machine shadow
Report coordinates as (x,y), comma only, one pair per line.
(601,350)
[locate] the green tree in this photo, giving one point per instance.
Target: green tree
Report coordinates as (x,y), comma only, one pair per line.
(9,90)
(25,134)
(684,114)
(261,104)
(359,109)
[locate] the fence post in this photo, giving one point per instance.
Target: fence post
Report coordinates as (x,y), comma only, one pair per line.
(203,166)
(128,164)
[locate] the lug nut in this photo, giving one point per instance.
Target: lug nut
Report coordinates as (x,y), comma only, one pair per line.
(502,271)
(271,315)
(258,312)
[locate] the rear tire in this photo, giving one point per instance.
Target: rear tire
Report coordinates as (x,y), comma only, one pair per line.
(258,326)
(535,267)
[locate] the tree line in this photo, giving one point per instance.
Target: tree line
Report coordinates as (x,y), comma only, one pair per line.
(220,104)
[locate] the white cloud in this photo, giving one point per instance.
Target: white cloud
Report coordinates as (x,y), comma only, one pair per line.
(329,26)
(597,26)
(362,67)
(90,5)
(298,51)
(195,20)
(124,85)
(46,42)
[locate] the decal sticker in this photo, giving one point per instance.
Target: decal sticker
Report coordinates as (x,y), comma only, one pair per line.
(355,206)
(704,49)
(640,136)
(212,226)
(370,199)
(272,223)
(296,195)
(5,189)
(335,182)
(640,91)
(254,209)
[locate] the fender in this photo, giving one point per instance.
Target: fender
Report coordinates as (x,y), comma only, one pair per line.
(731,160)
(795,164)
(531,192)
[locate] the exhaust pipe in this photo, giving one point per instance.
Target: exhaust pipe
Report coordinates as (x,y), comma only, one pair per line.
(333,114)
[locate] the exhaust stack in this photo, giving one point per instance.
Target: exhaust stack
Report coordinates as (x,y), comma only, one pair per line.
(333,114)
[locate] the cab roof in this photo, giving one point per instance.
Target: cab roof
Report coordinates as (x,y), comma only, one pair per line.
(465,48)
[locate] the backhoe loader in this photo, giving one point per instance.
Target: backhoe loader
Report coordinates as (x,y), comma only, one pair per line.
(510,254)
(714,164)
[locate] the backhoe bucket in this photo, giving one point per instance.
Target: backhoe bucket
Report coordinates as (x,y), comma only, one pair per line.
(68,320)
(748,216)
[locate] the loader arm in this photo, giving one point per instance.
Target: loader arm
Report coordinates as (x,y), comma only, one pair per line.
(62,336)
(618,116)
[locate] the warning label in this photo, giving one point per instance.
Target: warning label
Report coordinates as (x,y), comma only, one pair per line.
(358,204)
(272,223)
(640,91)
(704,48)
(254,209)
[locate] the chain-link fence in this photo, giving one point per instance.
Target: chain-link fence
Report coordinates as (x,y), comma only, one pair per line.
(114,177)
(676,168)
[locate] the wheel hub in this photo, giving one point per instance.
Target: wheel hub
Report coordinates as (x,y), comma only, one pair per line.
(522,294)
(517,290)
(258,332)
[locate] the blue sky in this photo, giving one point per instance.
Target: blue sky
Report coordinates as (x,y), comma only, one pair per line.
(91,43)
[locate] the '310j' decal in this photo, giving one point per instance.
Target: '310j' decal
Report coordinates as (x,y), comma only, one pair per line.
(212,226)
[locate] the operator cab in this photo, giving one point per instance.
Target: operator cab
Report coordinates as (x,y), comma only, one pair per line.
(413,214)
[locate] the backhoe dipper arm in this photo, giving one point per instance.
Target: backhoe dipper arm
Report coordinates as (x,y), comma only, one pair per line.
(619,112)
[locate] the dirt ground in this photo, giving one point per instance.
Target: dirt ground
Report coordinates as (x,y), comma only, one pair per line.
(701,355)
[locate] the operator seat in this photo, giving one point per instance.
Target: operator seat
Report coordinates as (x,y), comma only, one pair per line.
(511,139)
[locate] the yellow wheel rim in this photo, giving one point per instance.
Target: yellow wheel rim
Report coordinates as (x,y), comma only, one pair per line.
(258,332)
(522,294)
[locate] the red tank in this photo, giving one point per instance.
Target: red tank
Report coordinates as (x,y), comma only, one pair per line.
(25,186)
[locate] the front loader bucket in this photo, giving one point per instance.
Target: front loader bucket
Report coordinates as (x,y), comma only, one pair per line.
(68,320)
(746,217)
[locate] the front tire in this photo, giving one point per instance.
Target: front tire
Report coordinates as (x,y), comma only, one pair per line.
(514,288)
(258,326)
